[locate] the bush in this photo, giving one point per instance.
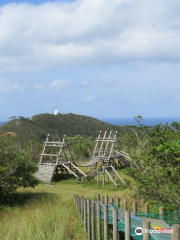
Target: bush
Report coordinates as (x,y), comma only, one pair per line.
(16,169)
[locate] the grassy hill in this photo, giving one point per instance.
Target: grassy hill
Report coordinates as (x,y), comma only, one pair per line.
(69,124)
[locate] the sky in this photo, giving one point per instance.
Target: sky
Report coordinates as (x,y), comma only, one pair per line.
(101,58)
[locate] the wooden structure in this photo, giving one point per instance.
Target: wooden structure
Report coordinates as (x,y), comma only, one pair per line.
(56,156)
(106,158)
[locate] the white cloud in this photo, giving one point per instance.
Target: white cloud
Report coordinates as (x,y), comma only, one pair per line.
(88,32)
(7,86)
(58,84)
(90,98)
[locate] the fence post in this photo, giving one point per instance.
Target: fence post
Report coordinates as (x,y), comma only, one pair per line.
(134,207)
(125,205)
(93,222)
(105,222)
(146,210)
(106,199)
(98,197)
(161,212)
(102,199)
(115,224)
(146,229)
(98,221)
(127,225)
(111,200)
(89,219)
(82,208)
(85,215)
(176,232)
(97,179)
(80,205)
(118,202)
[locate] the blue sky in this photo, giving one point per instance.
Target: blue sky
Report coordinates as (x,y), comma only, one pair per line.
(107,59)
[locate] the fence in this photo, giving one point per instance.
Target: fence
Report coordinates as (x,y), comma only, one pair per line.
(104,219)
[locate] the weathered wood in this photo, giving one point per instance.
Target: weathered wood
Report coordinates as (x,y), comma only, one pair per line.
(85,215)
(89,219)
(127,225)
(146,208)
(93,222)
(111,200)
(125,205)
(106,199)
(115,224)
(98,197)
(97,179)
(135,207)
(79,207)
(98,221)
(176,232)
(161,212)
(118,202)
(105,222)
(82,208)
(146,229)
(103,179)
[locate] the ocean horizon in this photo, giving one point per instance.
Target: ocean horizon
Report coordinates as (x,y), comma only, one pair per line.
(145,121)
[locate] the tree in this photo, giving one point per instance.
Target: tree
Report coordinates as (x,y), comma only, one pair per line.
(16,169)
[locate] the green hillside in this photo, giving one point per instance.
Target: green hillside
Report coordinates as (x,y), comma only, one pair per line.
(69,124)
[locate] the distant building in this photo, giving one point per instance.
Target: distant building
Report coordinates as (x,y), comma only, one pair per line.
(56,112)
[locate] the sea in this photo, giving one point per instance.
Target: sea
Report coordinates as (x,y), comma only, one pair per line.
(145,121)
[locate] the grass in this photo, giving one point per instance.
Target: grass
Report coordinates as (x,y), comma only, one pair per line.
(48,211)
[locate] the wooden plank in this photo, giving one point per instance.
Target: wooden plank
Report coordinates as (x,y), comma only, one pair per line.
(127,225)
(115,224)
(93,222)
(146,208)
(98,221)
(105,222)
(146,229)
(176,232)
(134,207)
(111,177)
(85,215)
(89,219)
(120,178)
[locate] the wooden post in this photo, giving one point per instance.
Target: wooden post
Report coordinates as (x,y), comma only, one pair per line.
(125,205)
(85,215)
(76,202)
(134,207)
(176,232)
(102,199)
(82,208)
(146,208)
(89,219)
(161,212)
(115,224)
(98,221)
(105,222)
(127,225)
(98,197)
(146,229)
(97,179)
(106,199)
(111,200)
(80,205)
(103,179)
(93,222)
(118,202)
